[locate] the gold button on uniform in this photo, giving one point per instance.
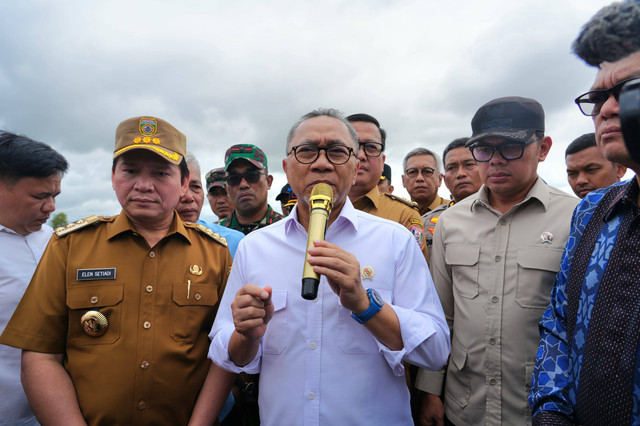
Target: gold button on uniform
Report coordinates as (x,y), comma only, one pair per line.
(94,300)
(146,324)
(144,365)
(142,405)
(198,297)
(149,288)
(152,254)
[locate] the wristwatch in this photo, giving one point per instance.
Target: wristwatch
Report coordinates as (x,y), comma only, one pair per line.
(375,304)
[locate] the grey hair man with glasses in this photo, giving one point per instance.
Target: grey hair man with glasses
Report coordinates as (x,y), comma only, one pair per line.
(337,359)
(588,366)
(365,194)
(422,177)
(495,256)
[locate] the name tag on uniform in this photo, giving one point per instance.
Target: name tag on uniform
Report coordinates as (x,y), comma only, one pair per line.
(96,274)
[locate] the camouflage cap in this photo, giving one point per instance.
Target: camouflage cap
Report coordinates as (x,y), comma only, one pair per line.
(153,134)
(248,152)
(215,177)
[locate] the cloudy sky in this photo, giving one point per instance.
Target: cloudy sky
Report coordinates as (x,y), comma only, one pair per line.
(245,71)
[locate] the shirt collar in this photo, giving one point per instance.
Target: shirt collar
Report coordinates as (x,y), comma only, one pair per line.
(371,197)
(122,224)
(348,215)
(539,192)
(626,199)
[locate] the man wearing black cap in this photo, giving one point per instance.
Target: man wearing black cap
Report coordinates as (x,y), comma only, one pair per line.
(588,366)
(495,255)
(287,199)
(114,323)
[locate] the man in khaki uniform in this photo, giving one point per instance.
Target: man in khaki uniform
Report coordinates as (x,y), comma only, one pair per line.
(422,177)
(495,256)
(365,194)
(114,323)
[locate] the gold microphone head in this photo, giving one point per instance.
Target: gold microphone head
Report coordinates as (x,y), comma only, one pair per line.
(321,194)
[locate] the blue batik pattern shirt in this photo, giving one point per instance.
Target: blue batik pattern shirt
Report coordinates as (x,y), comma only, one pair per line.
(556,376)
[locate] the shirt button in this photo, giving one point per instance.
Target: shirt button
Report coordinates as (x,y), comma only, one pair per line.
(498,258)
(197,297)
(142,405)
(503,222)
(492,382)
(152,254)
(495,299)
(312,345)
(144,365)
(492,341)
(312,395)
(94,300)
(149,288)
(146,324)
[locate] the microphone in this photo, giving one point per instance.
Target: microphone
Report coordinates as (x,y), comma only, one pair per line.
(320,204)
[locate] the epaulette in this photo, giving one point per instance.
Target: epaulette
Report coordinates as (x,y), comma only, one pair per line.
(79,224)
(409,203)
(217,237)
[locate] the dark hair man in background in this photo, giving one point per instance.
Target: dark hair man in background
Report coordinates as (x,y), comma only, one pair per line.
(219,201)
(385,186)
(30,177)
(588,370)
(587,169)
(365,194)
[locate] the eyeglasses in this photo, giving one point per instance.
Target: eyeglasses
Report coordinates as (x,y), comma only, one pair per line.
(591,102)
(412,173)
(308,153)
(234,179)
(371,149)
(508,150)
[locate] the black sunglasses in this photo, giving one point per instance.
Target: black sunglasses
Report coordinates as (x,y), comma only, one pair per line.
(234,179)
(591,102)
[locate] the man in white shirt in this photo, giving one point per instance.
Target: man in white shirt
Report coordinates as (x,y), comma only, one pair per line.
(336,359)
(30,176)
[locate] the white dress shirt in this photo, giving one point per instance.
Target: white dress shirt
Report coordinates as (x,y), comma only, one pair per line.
(317,365)
(19,256)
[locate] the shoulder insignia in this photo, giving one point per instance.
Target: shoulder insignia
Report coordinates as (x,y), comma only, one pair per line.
(79,224)
(217,237)
(409,203)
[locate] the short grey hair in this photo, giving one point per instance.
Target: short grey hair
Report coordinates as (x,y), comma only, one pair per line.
(422,151)
(611,34)
(329,112)
(189,158)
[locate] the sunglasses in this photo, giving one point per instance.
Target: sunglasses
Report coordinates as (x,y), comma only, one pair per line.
(234,179)
(591,102)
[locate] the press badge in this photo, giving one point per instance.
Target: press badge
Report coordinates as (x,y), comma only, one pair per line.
(96,274)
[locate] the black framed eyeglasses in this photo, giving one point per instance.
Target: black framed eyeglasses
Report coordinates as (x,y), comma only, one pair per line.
(483,153)
(234,179)
(308,153)
(591,102)
(412,173)
(371,149)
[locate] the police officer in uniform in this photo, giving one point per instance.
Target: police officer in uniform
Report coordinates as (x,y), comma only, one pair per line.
(114,323)
(365,194)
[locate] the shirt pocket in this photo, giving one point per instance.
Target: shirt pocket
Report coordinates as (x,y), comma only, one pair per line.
(463,260)
(275,338)
(192,310)
(458,387)
(353,337)
(537,269)
(105,298)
